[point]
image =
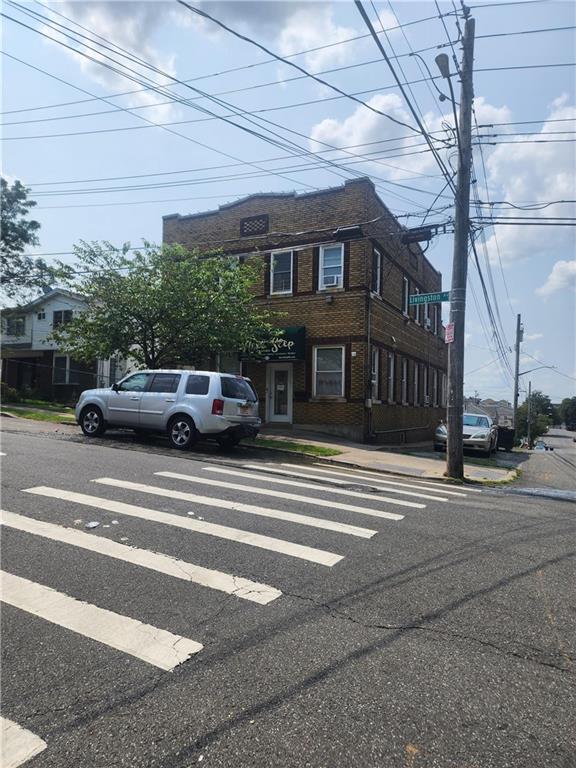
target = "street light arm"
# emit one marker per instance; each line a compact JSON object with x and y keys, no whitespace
{"x":536,"y":369}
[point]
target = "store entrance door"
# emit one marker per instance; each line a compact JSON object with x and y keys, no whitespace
{"x":279,"y":393}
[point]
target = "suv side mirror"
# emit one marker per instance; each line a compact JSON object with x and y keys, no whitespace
{"x":115,"y":386}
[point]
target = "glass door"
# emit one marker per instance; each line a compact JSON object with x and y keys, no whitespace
{"x":280,"y":392}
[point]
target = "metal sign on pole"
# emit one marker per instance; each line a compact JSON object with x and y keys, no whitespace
{"x":449,"y":333}
{"x":428,"y":298}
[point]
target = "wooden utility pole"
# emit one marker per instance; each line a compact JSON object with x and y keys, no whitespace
{"x":519,"y":337}
{"x":454,"y":451}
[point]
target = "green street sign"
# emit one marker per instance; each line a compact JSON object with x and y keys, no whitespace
{"x":429,"y":298}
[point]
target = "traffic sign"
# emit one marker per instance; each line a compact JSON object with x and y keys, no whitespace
{"x":428,"y":298}
{"x":449,"y":333}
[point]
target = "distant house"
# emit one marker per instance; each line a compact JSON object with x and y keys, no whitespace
{"x":33,"y":363}
{"x":500,"y":411}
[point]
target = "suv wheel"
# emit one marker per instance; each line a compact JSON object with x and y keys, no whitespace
{"x":182,"y":433}
{"x":92,"y":421}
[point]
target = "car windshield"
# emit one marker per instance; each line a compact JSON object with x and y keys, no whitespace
{"x":470,"y":420}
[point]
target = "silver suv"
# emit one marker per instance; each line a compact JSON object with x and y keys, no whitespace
{"x":186,"y":405}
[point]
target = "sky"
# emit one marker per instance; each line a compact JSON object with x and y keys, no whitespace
{"x":117,"y":113}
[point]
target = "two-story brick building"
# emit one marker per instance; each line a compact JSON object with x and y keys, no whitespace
{"x":354,"y":358}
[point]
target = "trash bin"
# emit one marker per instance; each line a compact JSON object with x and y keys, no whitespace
{"x":505,"y":438}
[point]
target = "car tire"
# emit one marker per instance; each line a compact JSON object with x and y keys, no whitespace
{"x":182,"y":433}
{"x":227,"y":442}
{"x":92,"y":421}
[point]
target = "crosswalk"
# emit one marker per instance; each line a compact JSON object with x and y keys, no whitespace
{"x":320,"y":511}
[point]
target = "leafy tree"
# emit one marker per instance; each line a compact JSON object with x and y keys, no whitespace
{"x":162,"y":306}
{"x":567,"y":410}
{"x":19,"y":274}
{"x":542,"y":415}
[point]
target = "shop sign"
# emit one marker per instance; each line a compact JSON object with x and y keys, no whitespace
{"x":289,"y":344}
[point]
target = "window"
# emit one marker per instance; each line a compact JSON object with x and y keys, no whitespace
{"x":425,"y":384}
{"x":435,"y":315}
{"x":329,"y":371}
{"x":237,"y":388}
{"x":374,"y":379}
{"x":66,"y":370}
{"x":404,"y":381}
{"x":135,"y":383}
{"x":60,"y":370}
{"x":281,"y":272}
{"x":435,"y":387}
{"x":391,"y":376}
{"x":418,"y":308}
{"x":15,"y":326}
{"x":444,"y":392}
{"x":376,"y":271}
{"x":427,"y":319}
{"x":61,"y":317}
{"x":165,"y":382}
{"x":405,"y":294}
{"x":197,"y":385}
{"x":475,"y":421}
{"x":416,"y":384}
{"x":41,"y":315}
{"x":331,"y":268}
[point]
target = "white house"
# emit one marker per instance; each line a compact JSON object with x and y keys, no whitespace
{"x":30,"y":361}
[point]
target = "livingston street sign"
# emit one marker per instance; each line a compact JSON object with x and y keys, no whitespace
{"x":429,"y":298}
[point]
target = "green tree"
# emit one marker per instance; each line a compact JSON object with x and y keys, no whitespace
{"x":567,"y":410}
{"x":19,"y":274}
{"x":162,"y":306}
{"x":541,"y":415}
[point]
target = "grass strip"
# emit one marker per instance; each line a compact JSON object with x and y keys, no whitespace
{"x":286,"y":445}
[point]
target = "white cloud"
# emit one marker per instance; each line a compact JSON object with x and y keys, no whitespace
{"x":563,"y":276}
{"x":132,"y":26}
{"x":533,"y":336}
{"x":522,"y":173}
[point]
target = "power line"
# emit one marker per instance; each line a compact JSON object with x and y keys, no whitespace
{"x":284,"y":60}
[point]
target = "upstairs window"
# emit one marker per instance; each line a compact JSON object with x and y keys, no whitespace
{"x":331,"y":267}
{"x":404,"y":381}
{"x":376,"y":271}
{"x":15,"y":326}
{"x":405,"y":294}
{"x":61,"y":317}
{"x":281,"y":272}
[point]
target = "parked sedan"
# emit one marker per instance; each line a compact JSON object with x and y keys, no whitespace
{"x":479,"y":433}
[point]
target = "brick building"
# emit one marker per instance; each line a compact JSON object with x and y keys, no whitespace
{"x":354,"y":359}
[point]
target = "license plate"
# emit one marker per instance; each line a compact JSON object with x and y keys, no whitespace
{"x":246,"y":409}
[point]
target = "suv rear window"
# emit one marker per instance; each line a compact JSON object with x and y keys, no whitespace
{"x":237,"y":388}
{"x":197,"y":385}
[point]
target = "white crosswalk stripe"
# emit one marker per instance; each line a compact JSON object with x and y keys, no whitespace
{"x":327,"y":478}
{"x":170,"y":566}
{"x":444,"y":488}
{"x":288,"y":548}
{"x":17,"y":744}
{"x":313,"y":501}
{"x":150,"y":644}
{"x":277,"y":514}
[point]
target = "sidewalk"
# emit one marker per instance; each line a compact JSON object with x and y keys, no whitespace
{"x":417,"y":460}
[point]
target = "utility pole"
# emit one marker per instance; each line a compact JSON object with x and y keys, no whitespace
{"x":519,"y":338}
{"x":529,"y":414}
{"x":454,"y":450}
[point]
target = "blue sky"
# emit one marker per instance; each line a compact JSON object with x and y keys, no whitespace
{"x":198,"y":157}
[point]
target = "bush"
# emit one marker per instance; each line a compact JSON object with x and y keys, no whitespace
{"x":9,"y":394}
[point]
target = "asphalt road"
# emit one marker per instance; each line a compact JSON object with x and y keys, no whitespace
{"x":444,"y":638}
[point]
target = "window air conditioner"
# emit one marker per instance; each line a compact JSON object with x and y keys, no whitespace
{"x":331,"y":281}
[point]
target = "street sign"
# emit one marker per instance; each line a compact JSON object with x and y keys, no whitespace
{"x":449,"y":333}
{"x":428,"y":298}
